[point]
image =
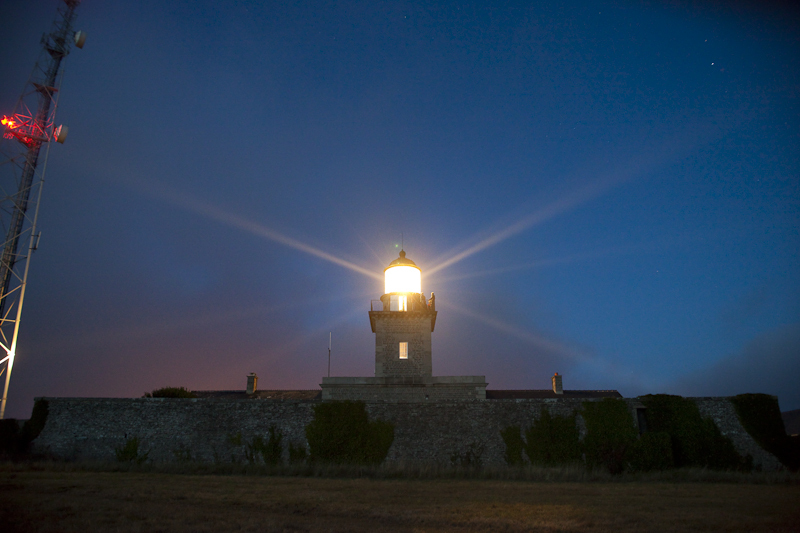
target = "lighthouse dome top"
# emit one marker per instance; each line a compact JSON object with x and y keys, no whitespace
{"x":403,"y":275}
{"x":402,"y":261}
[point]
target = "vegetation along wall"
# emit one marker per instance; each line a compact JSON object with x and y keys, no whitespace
{"x":464,"y":432}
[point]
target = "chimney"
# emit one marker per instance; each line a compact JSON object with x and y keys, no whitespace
{"x":252,"y":382}
{"x":557,"y":384}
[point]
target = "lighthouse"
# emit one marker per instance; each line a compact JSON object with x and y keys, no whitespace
{"x":403,"y":320}
{"x":403,"y":323}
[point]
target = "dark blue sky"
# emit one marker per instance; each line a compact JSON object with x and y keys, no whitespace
{"x":608,"y":190}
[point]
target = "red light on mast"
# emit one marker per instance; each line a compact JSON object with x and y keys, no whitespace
{"x":23,"y":128}
{"x":10,"y":123}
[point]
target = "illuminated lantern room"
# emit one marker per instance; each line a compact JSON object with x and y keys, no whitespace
{"x":402,"y":276}
{"x":403,"y":286}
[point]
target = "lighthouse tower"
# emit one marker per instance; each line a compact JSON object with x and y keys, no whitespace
{"x":403,"y":321}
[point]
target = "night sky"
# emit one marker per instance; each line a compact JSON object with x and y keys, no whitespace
{"x":607,"y":190}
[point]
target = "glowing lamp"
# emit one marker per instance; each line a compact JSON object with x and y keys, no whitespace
{"x":9,"y":122}
{"x":402,"y":275}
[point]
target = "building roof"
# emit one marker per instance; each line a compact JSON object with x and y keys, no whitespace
{"x":547,"y":393}
{"x":402,"y":261}
{"x":314,"y":394}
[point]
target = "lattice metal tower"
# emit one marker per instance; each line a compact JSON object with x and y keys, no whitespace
{"x":30,"y":125}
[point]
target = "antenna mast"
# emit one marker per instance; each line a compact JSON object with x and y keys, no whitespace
{"x":31,"y":124}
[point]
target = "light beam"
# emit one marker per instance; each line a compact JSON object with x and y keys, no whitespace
{"x":503,"y":270}
{"x":645,"y":162}
{"x":531,"y":338}
{"x":581,"y":196}
{"x":190,"y":203}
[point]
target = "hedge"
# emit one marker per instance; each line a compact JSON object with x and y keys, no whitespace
{"x":553,"y":440}
{"x":342,"y":433}
{"x":610,"y":434}
{"x":696,"y":441}
{"x":653,"y":451}
{"x":515,"y":445}
{"x":760,"y":415}
{"x":15,"y":441}
{"x":270,"y":450}
{"x":170,"y":392}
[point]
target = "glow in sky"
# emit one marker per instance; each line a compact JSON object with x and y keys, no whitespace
{"x":607,"y":191}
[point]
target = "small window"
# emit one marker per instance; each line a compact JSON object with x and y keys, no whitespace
{"x":403,"y":350}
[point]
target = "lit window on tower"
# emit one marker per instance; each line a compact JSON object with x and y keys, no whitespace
{"x":403,"y":350}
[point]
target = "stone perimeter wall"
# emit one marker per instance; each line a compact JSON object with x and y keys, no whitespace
{"x":400,"y":394}
{"x":91,"y":428}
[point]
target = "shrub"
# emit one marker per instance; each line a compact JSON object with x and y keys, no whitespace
{"x":653,"y":451}
{"x":720,"y":452}
{"x":341,"y":433}
{"x":170,"y":392}
{"x":553,"y":440}
{"x":10,"y":438}
{"x":512,"y":437}
{"x":254,"y":448}
{"x":471,"y":458}
{"x":273,"y":452}
{"x":15,"y":440}
{"x":270,"y":451}
{"x":129,"y":452}
{"x":760,"y":415}
{"x":610,"y":433}
{"x":33,"y":427}
{"x":183,"y":454}
{"x":297,"y":454}
{"x":695,"y":441}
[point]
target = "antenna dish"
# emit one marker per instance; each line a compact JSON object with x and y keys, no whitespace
{"x":80,"y":38}
{"x":61,"y":133}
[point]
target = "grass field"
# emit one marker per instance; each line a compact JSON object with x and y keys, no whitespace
{"x":63,"y":500}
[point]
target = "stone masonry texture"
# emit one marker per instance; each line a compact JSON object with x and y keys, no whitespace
{"x":393,"y":328}
{"x":208,"y":429}
{"x":406,"y":394}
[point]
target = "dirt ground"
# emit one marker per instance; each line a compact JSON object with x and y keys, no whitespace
{"x":132,"y":502}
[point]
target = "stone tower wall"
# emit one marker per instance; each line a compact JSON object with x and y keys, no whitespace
{"x":394,"y":327}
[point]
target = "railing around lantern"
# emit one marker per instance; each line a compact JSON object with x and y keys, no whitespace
{"x":412,"y":302}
